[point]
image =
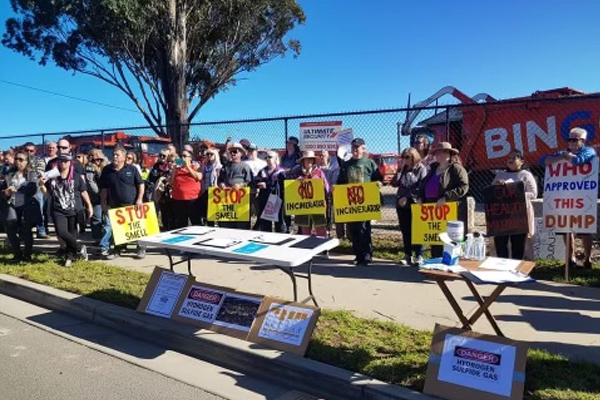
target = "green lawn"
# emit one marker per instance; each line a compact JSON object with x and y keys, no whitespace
{"x":384,"y":350}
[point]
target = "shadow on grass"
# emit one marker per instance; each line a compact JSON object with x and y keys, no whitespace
{"x":555,"y":271}
{"x":116,"y":297}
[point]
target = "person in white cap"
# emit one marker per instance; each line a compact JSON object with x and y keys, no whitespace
{"x":236,"y":174}
{"x":577,"y":154}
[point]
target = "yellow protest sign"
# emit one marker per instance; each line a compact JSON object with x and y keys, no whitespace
{"x":228,"y":204}
{"x":129,"y":224}
{"x":304,"y":197}
{"x":357,"y":202}
{"x":429,"y":220}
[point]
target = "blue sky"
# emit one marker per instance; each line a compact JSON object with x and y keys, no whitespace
{"x":356,"y":55}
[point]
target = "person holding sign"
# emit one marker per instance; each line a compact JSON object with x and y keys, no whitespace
{"x":447,"y":180}
{"x":185,"y":183}
{"x":269,"y":182}
{"x":576,"y":154}
{"x":306,"y":223}
{"x":235,"y":174}
{"x":407,"y":180}
{"x":516,"y":172}
{"x":68,"y":191}
{"x":210,"y":176}
{"x":122,"y":186}
{"x":360,"y":169}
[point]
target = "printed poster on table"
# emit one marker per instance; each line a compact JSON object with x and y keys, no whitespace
{"x":319,"y":135}
{"x":356,"y":202}
{"x":228,"y":204}
{"x":570,"y":197}
{"x":304,"y":197}
{"x":506,"y":209}
{"x":284,"y":325}
{"x":467,"y":365}
{"x":163,"y":292}
{"x":129,"y":224}
{"x":429,"y":220}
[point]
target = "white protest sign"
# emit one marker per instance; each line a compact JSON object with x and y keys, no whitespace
{"x":166,"y":294}
{"x":546,"y":244}
{"x":285,"y":323}
{"x":570,"y":197}
{"x":319,"y":135}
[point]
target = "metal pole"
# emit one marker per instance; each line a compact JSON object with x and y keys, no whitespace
{"x":102,"y":139}
{"x":285,"y":120}
{"x":568,"y":243}
{"x":447,"y":124}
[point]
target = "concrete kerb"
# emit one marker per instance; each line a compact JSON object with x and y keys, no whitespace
{"x":286,"y":369}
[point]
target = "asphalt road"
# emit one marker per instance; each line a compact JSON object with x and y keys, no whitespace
{"x":48,"y":355}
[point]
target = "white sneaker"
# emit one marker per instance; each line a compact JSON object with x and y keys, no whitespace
{"x":83,"y":254}
{"x":420,"y":261}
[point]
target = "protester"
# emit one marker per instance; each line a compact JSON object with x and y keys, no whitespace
{"x":235,"y":174}
{"x":270,"y":180}
{"x":39,"y":165}
{"x":310,"y":170}
{"x":516,"y":172}
{"x":158,"y":178}
{"x":407,"y":180}
{"x":93,"y":171}
{"x":185,"y":180}
{"x":331,"y":169}
{"x":423,"y":146}
{"x":121,"y":185}
{"x":289,"y":163}
{"x":51,"y":151}
{"x":255,"y":163}
{"x":9,"y":162}
{"x":22,"y":210}
{"x":132,"y":159}
{"x":69,"y":194}
{"x":210,"y":177}
{"x":360,"y":169}
{"x":577,"y":154}
{"x":447,"y":180}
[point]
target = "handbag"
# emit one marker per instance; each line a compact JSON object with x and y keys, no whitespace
{"x":272,"y":208}
{"x":11,"y":214}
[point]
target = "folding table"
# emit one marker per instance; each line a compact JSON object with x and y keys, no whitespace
{"x":283,"y":251}
{"x":441,"y":277}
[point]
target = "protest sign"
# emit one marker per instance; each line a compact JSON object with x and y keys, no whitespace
{"x":284,"y":325}
{"x":163,"y":292}
{"x":570,"y":197}
{"x":356,"y":202}
{"x":468,"y":365}
{"x":429,"y":220}
{"x":304,"y":197}
{"x":547,"y":245}
{"x":319,"y":135}
{"x":129,"y":224}
{"x":506,"y":209}
{"x":228,"y":204}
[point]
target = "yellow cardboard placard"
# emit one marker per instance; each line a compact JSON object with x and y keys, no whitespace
{"x":129,"y":225}
{"x":356,"y":202}
{"x":304,"y":197}
{"x":228,"y":204}
{"x":429,"y":220}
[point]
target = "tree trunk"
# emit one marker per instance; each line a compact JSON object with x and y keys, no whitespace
{"x":174,"y":84}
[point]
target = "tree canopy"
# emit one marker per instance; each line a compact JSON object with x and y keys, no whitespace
{"x":168,"y":56}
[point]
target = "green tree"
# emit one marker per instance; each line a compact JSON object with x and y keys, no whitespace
{"x":168,"y":56}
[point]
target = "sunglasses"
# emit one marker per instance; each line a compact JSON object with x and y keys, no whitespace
{"x":234,"y":151}
{"x":130,"y":158}
{"x":20,"y":159}
{"x":186,"y":155}
{"x":571,"y":140}
{"x":63,"y":147}
{"x":30,"y":150}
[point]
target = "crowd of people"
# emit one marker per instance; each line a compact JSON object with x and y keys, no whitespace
{"x":74,"y":191}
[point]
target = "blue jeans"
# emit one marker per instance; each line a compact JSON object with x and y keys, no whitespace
{"x":41,"y":228}
{"x":106,"y":238}
{"x":97,"y":223}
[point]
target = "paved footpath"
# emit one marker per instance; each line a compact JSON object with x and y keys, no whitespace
{"x":558,"y":317}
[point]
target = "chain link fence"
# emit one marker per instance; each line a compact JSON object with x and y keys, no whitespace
{"x":485,"y":133}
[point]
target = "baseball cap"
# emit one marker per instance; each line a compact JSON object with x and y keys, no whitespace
{"x":64,"y":157}
{"x":245,"y":143}
{"x":357,"y":142}
{"x":252,"y":146}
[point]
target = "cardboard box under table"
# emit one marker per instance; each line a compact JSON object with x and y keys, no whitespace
{"x":441,"y":277}
{"x":283,"y":251}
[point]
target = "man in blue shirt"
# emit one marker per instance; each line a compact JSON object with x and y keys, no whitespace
{"x":577,"y":153}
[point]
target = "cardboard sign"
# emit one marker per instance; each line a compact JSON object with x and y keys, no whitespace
{"x":218,"y":309}
{"x":129,"y":224}
{"x":429,"y":220}
{"x":319,"y":135}
{"x":163,"y":293}
{"x":304,"y":197}
{"x":468,"y":365}
{"x":356,"y":202}
{"x":506,"y":209}
{"x":547,"y":245}
{"x":228,"y":204}
{"x":570,"y":196}
{"x":284,"y":325}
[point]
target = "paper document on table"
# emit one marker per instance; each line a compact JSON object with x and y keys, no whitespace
{"x":500,"y":264}
{"x":443,"y":267}
{"x":272,"y":238}
{"x":500,"y":276}
{"x":221,"y":243}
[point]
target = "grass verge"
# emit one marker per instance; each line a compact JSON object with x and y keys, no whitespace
{"x":384,"y":350}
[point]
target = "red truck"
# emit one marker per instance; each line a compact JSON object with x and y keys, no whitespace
{"x":486,"y":130}
{"x":387,"y":163}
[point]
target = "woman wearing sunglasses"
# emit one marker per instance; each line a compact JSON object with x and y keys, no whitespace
{"x":93,"y":171}
{"x":23,"y":210}
{"x":185,"y":181}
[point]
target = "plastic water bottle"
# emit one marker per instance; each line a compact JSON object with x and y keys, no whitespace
{"x":469,"y":247}
{"x":480,"y":247}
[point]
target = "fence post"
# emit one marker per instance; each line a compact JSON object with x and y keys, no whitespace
{"x":285,"y":120}
{"x":447,"y":124}
{"x":398,"y":134}
{"x":102,"y":139}
{"x":44,"y":143}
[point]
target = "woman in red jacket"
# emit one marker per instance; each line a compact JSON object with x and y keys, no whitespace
{"x":185,"y":183}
